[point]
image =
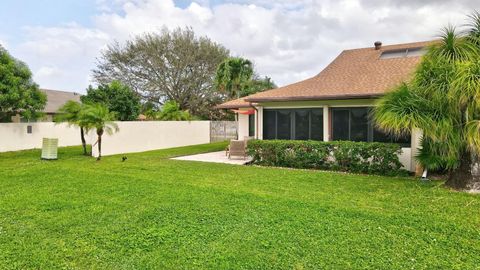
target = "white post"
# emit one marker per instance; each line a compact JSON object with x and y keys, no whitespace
{"x":259,"y":118}
{"x":326,"y":124}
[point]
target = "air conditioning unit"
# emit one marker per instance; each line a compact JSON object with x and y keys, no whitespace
{"x":49,"y":148}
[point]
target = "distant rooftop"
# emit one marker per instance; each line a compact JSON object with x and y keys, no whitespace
{"x":56,"y":99}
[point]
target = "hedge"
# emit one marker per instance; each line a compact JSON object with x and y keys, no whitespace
{"x":355,"y":157}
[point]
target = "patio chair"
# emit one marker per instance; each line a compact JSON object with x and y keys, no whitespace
{"x":237,"y":148}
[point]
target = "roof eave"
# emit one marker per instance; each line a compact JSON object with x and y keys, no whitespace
{"x":232,"y":106}
{"x":311,"y":98}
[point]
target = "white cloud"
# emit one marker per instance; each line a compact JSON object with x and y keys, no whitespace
{"x":288,"y":40}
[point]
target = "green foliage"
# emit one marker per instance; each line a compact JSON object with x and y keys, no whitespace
{"x":171,"y":112}
{"x":356,"y":157}
{"x":151,"y":212}
{"x":233,"y":75}
{"x":71,"y":113}
{"x":118,"y":98}
{"x":18,"y":93}
{"x":170,"y":65}
{"x":442,"y":99}
{"x":97,"y":116}
{"x":258,"y":85}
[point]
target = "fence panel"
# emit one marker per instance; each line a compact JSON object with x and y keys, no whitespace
{"x":223,"y":131}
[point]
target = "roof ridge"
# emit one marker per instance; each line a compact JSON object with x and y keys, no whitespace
{"x":52,"y":90}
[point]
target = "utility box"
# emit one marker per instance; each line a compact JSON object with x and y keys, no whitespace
{"x":50,"y":148}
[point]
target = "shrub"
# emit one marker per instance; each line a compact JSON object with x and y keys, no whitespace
{"x":355,"y":157}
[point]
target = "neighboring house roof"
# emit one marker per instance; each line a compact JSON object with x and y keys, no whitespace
{"x":56,"y":99}
{"x":357,"y":73}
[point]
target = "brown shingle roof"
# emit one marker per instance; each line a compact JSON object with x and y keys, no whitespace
{"x":56,"y":99}
{"x":234,"y":104}
{"x":357,"y":73}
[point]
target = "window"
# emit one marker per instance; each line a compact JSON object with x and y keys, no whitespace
{"x":251,"y":125}
{"x":411,"y":52}
{"x":354,"y":124}
{"x":295,"y":124}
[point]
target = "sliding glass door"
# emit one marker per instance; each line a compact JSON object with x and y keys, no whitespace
{"x":293,"y":124}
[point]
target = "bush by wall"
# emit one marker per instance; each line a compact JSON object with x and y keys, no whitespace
{"x":355,"y":157}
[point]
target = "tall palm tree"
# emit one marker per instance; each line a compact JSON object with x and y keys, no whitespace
{"x":99,"y":117}
{"x":443,"y":99}
{"x":233,"y":75}
{"x":70,"y":113}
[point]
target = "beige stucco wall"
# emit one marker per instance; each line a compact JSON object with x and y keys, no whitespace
{"x":151,"y":135}
{"x":14,"y":136}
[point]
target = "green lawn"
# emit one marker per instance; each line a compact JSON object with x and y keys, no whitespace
{"x":152,"y":212}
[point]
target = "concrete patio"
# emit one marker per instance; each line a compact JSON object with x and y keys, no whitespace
{"x":216,"y":157}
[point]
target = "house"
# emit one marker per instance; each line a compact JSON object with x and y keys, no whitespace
{"x":335,"y":104}
{"x":55,"y":100}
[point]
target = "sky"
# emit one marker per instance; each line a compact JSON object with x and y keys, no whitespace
{"x":288,"y":40}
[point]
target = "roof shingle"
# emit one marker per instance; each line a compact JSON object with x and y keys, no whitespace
{"x":357,"y":73}
{"x":56,"y":99}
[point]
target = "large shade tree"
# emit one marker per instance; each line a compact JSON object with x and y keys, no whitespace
{"x":443,"y":100}
{"x":18,"y":93}
{"x":171,"y":65}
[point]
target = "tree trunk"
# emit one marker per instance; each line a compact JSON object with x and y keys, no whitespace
{"x":99,"y":147}
{"x":467,"y":175}
{"x":99,"y":141}
{"x":84,"y":143}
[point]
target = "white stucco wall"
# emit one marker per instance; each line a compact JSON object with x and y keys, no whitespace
{"x":242,"y":126}
{"x":14,"y":136}
{"x":152,"y":135}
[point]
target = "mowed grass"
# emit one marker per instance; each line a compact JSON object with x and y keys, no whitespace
{"x":151,"y":212}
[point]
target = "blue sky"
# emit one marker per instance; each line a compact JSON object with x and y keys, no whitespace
{"x":288,"y":40}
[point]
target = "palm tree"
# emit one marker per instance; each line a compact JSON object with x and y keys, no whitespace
{"x":70,"y":113}
{"x":233,"y":75}
{"x":99,"y":117}
{"x":443,"y":100}
{"x":171,"y":112}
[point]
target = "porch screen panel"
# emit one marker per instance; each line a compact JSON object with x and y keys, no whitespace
{"x":354,"y":124}
{"x":359,"y":124}
{"x":251,"y":125}
{"x":316,"y":124}
{"x":284,"y":125}
{"x":269,"y":124}
{"x":380,"y":136}
{"x":293,"y":124}
{"x":302,"y":124}
{"x":341,"y":124}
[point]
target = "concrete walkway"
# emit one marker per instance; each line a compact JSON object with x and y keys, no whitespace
{"x":216,"y":157}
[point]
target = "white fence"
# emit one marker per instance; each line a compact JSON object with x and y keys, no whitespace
{"x":21,"y":136}
{"x":132,"y":136}
{"x":151,"y":135}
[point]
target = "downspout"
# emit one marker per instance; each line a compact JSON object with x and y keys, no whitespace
{"x":256,"y":119}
